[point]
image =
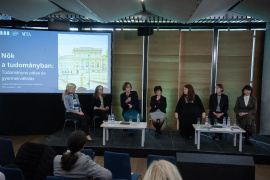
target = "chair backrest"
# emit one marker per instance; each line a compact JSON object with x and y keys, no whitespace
{"x":35,"y":160}
{"x":59,"y":178}
{"x":140,"y":104}
{"x":151,"y":158}
{"x":89,"y":152}
{"x":7,"y":155}
{"x":12,"y":173}
{"x":118,"y":164}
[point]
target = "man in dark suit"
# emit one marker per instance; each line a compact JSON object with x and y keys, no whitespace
{"x":218,"y":107}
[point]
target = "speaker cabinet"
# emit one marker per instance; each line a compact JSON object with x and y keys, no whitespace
{"x":145,"y":31}
{"x":194,"y":166}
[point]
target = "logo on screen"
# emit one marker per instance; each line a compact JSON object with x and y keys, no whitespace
{"x":26,"y":34}
{"x":14,"y":33}
{"x":4,"y":33}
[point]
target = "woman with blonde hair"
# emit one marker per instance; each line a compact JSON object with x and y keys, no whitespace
{"x":73,"y":108}
{"x":162,"y":170}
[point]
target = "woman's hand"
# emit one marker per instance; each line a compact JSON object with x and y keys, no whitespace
{"x":80,"y":113}
{"x":103,"y":109}
{"x":130,"y":106}
{"x":242,"y":114}
{"x":176,"y":115}
{"x":128,"y":100}
{"x":203,"y":115}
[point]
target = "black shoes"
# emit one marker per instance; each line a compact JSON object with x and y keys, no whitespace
{"x":220,"y":137}
{"x":157,"y":133}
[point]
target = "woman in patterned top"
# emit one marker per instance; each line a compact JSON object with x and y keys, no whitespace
{"x":73,"y":108}
{"x":245,"y":109}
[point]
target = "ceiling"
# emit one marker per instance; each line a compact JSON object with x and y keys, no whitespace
{"x":105,"y":11}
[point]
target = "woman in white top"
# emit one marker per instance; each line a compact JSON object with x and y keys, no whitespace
{"x":245,"y":109}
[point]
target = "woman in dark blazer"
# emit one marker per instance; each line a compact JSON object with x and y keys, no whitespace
{"x":218,"y":107}
{"x":245,"y":109}
{"x":158,"y":109}
{"x":100,"y":104}
{"x":189,"y":108}
{"x":129,"y":103}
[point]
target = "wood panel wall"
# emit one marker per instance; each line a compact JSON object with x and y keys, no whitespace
{"x":196,"y":62}
{"x":234,"y":64}
{"x":179,"y":58}
{"x":126,"y":66}
{"x":163,"y":70}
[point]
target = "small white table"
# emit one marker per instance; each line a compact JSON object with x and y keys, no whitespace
{"x":203,"y":128}
{"x":133,"y":125}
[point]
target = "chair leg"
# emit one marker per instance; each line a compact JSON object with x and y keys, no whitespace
{"x":166,"y":127}
{"x":95,"y":126}
{"x":63,"y":128}
{"x":255,"y":130}
{"x":149,"y":124}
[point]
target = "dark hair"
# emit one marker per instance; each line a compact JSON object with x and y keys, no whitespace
{"x":221,"y":87}
{"x":96,"y":91}
{"x":191,"y":92}
{"x":125,"y":85}
{"x":76,"y":141}
{"x":247,"y":87}
{"x":157,"y":88}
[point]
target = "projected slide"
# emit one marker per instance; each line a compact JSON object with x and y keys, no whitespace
{"x":46,"y":61}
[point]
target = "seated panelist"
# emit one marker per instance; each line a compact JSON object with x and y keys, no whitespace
{"x":73,"y":108}
{"x":100,"y":104}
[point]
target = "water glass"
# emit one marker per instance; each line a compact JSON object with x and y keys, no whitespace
{"x":235,"y":123}
{"x":130,"y":119}
{"x":198,"y":121}
{"x":209,"y":121}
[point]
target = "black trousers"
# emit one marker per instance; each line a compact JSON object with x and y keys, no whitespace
{"x":84,"y":119}
{"x":185,"y":123}
{"x":102,"y":115}
{"x":219,"y":120}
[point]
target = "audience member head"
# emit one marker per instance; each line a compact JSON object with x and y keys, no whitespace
{"x":98,"y":91}
{"x":219,"y":88}
{"x":76,"y":142}
{"x":127,"y":87}
{"x":162,"y":170}
{"x":158,"y":90}
{"x":70,"y":88}
{"x":189,"y":92}
{"x":247,"y":90}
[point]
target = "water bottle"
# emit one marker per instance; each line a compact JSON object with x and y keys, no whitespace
{"x":138,"y":118}
{"x":109,"y":119}
{"x":206,"y":120}
{"x":112,"y":118}
{"x":228,"y":122}
{"x":224,"y":122}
